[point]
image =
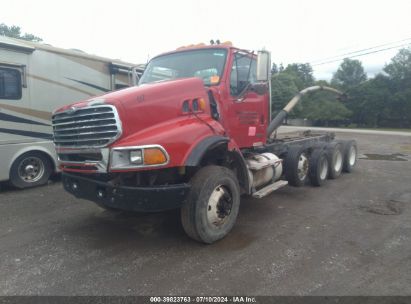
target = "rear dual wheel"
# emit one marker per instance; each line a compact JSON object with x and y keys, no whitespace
{"x":299,"y":166}
{"x":326,"y":161}
{"x":350,"y":155}
{"x":319,"y":167}
{"x":296,"y":165}
{"x":335,"y":157}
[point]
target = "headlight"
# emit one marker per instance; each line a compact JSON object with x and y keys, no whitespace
{"x":135,"y":157}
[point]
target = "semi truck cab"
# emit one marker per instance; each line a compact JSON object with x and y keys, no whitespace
{"x":195,"y":134}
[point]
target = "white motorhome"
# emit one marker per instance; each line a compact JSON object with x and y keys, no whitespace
{"x":35,"y":79}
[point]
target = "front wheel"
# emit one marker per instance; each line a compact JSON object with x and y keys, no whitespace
{"x":211,"y":209}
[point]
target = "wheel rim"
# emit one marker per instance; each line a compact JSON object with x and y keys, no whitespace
{"x":352,"y":156}
{"x":323,"y":169}
{"x":338,"y":161}
{"x":31,"y":169}
{"x":302,"y":167}
{"x":219,"y":206}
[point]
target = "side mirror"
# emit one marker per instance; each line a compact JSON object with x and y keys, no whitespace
{"x":263,"y":66}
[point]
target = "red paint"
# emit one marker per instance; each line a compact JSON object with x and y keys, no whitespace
{"x":152,"y":114}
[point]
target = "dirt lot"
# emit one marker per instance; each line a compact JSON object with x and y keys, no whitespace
{"x":350,"y":237}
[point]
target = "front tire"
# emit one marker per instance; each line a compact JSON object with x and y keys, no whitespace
{"x":212,"y":206}
{"x":30,"y":169}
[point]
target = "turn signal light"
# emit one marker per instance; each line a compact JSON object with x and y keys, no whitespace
{"x":214,"y":79}
{"x":154,"y":156}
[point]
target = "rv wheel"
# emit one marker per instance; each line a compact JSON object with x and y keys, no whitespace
{"x":30,"y":169}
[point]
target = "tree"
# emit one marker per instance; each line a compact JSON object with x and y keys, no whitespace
{"x":274,"y":69}
{"x":283,"y":88}
{"x":349,"y":75}
{"x":385,"y":100}
{"x":370,"y":101}
{"x":302,"y":73}
{"x":399,"y":75}
{"x":382,"y":101}
{"x":14,"y":31}
{"x":399,"y":69}
{"x":323,"y":108}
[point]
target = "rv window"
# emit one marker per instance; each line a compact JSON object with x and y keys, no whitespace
{"x":10,"y":83}
{"x":120,"y":86}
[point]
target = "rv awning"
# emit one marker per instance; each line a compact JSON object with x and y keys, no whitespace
{"x":16,"y":46}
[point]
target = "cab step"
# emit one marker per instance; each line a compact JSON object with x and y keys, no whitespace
{"x":269,"y":188}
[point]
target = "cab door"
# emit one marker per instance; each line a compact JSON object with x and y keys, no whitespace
{"x":248,"y":111}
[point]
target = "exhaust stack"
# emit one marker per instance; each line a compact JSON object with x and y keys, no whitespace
{"x":278,"y":120}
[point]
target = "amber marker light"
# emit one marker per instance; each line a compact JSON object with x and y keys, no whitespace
{"x":202,"y":104}
{"x":154,"y":156}
{"x":214,"y":79}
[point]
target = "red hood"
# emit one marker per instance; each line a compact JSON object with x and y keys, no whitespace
{"x":150,"y":104}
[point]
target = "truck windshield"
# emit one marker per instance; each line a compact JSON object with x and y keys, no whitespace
{"x":206,"y":64}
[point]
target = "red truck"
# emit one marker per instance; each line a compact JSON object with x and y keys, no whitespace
{"x":195,"y":134}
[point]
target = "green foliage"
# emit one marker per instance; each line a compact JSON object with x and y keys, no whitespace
{"x":283,"y":88}
{"x":274,"y":69}
{"x":368,"y":101}
{"x":14,"y":31}
{"x":382,"y":101}
{"x":321,"y":107}
{"x":385,"y":100}
{"x":399,"y":69}
{"x":398,"y":84}
{"x":349,"y":75}
{"x":302,"y":74}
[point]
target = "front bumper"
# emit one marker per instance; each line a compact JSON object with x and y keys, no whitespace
{"x":140,"y":199}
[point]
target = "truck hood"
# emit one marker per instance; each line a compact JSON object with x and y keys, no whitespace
{"x":151,"y":104}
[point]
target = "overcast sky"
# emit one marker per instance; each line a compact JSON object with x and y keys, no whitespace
{"x":294,"y":31}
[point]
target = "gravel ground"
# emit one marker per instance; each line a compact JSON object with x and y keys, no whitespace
{"x":350,"y":237}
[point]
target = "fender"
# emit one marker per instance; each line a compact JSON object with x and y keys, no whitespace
{"x":242,"y":172}
{"x":194,"y":158}
{"x":178,"y":137}
{"x":209,"y":143}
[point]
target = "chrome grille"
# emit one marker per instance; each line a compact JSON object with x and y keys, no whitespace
{"x":94,"y":126}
